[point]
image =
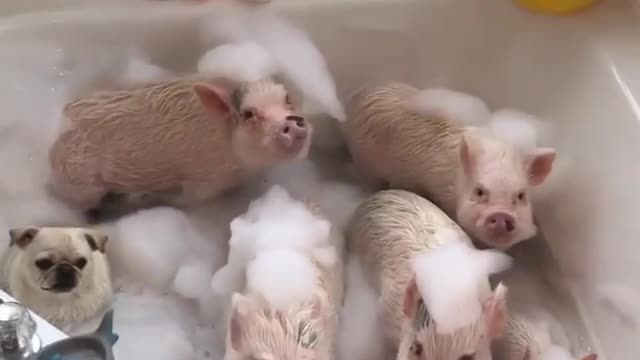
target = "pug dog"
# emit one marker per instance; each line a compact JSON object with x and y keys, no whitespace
{"x":60,"y":273}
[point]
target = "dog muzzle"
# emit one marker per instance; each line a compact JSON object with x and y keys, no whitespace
{"x":62,"y":278}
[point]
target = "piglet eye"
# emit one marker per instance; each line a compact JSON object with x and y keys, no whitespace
{"x":81,"y":263}
{"x":467,"y":357}
{"x":247,"y":114}
{"x":521,"y":196}
{"x":416,"y":348}
{"x":44,"y":264}
{"x":287,"y":99}
{"x":480,"y":192}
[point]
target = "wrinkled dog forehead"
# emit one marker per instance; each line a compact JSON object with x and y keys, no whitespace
{"x":59,"y":240}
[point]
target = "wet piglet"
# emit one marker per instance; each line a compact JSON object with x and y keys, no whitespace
{"x":435,"y":299}
{"x":417,"y":140}
{"x":178,"y":142}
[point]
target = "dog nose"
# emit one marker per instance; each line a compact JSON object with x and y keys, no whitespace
{"x":500,"y":222}
{"x":65,"y":278}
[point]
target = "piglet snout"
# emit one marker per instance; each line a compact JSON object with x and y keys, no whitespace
{"x":298,"y":120}
{"x":294,"y":132}
{"x":500,"y":223}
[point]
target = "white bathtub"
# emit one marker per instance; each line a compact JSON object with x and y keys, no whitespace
{"x":578,"y":72}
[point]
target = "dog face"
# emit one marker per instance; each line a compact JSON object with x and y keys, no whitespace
{"x":57,"y":259}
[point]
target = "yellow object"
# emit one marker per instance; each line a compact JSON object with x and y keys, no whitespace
{"x":555,"y":7}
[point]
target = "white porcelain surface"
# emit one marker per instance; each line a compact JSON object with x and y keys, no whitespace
{"x":579,"y":72}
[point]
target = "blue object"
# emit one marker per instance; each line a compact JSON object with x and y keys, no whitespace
{"x":95,"y":346}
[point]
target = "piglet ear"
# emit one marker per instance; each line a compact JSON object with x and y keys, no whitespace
{"x":319,"y":310}
{"x":317,"y":307}
{"x":212,"y":98}
{"x":496,"y":310}
{"x":539,"y":163}
{"x":466,"y":152}
{"x":238,"y":321}
{"x":411,"y":299}
{"x":591,"y":357}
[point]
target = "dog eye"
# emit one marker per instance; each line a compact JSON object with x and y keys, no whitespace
{"x":80,"y":263}
{"x":44,"y":264}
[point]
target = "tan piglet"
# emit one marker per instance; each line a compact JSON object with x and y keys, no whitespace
{"x":262,"y":328}
{"x":417,"y":140}
{"x":389,"y":231}
{"x":180,"y":142}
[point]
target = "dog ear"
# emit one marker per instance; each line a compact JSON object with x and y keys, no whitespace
{"x":96,"y":240}
{"x":22,"y":236}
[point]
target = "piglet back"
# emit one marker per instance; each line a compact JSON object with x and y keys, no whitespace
{"x":143,"y":138}
{"x":390,"y":139}
{"x":390,"y":227}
